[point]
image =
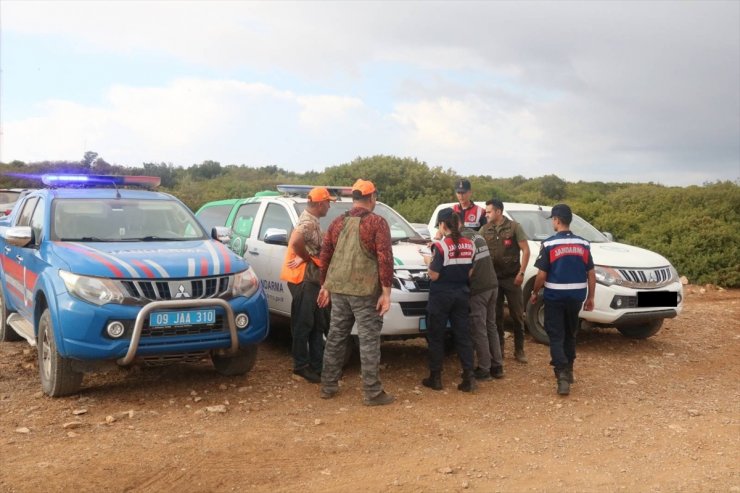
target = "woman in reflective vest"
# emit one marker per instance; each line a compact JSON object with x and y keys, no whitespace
{"x":450,"y":265}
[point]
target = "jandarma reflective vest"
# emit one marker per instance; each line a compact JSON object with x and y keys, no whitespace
{"x":471,"y":216}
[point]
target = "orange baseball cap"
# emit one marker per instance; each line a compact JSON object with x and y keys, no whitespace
{"x":365,"y":187}
{"x":319,"y":194}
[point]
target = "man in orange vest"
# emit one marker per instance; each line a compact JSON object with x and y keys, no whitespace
{"x":308,"y":321}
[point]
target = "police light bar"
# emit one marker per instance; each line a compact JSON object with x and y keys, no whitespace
{"x":81,"y":180}
{"x":302,"y":190}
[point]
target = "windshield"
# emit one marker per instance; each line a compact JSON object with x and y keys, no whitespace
{"x":116,"y":220}
{"x":537,"y":227}
{"x":400,"y":229}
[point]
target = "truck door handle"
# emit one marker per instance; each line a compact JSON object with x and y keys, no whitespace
{"x":7,"y":249}
{"x":254,"y":251}
{"x":19,"y":258}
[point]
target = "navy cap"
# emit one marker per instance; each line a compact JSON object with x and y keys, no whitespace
{"x":561,"y":211}
{"x":462,"y":186}
{"x":444,"y":214}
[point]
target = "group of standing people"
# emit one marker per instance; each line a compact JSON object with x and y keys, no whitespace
{"x":477,"y":285}
{"x":476,"y":260}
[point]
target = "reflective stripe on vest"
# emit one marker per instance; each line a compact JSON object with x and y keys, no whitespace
{"x":555,"y":285}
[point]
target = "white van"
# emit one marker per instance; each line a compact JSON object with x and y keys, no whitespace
{"x":632,"y":284}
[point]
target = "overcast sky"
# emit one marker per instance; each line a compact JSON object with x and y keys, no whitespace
{"x":609,"y":91}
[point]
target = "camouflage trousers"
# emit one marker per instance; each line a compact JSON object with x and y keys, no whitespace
{"x":345,"y":311}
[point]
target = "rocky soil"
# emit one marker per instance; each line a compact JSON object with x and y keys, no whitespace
{"x":657,"y":415}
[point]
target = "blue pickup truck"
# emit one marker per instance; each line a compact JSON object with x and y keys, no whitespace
{"x":94,"y":274}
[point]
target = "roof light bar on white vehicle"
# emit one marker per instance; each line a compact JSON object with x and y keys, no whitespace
{"x":62,"y":180}
{"x":302,"y":190}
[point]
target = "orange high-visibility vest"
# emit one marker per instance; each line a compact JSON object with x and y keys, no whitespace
{"x":294,"y":275}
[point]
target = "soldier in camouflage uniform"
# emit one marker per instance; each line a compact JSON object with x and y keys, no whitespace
{"x":356,"y":273}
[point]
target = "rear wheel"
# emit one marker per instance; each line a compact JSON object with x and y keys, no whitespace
{"x":58,"y":377}
{"x":641,"y":331}
{"x":238,"y":364}
{"x":7,"y":334}
{"x":536,"y":320}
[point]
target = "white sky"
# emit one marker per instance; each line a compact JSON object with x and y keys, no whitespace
{"x":610,"y":91}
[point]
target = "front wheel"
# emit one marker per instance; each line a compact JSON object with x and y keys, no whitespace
{"x":536,"y":320}
{"x":58,"y":377}
{"x":641,"y":331}
{"x":238,"y":364}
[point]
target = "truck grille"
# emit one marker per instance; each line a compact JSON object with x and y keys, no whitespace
{"x":646,"y":278}
{"x":411,"y":280}
{"x":414,"y":308}
{"x":206,"y":287}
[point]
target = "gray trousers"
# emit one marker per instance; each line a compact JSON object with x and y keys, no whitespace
{"x":483,"y":329}
{"x":345,"y":311}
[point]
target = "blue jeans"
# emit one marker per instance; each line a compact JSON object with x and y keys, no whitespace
{"x":308,"y":324}
{"x":561,"y":325}
{"x":455,"y":307}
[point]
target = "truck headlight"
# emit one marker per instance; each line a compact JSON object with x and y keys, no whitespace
{"x":606,"y":275}
{"x":96,"y":290}
{"x":245,"y":283}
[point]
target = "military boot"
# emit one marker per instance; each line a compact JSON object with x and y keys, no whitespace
{"x":563,"y":382}
{"x":569,"y":374}
{"x":468,"y":383}
{"x":433,"y":381}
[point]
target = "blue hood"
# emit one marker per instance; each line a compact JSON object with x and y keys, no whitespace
{"x":149,"y":260}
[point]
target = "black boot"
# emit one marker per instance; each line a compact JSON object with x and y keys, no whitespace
{"x":468,"y":383}
{"x":569,"y":374}
{"x":433,"y":381}
{"x":563,"y":382}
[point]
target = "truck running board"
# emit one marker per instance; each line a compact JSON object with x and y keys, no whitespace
{"x":22,"y":327}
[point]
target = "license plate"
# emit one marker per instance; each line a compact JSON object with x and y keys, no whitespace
{"x":422,"y":324}
{"x":654,"y":299}
{"x":182,"y":318}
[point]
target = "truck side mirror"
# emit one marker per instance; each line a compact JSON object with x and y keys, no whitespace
{"x":275,"y":236}
{"x":19,"y":236}
{"x":221,"y":233}
{"x":608,"y":235}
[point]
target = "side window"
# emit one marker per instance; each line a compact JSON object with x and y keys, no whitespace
{"x":245,"y":219}
{"x":24,"y":219}
{"x":276,"y":217}
{"x":37,"y":222}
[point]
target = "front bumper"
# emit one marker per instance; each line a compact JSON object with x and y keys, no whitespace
{"x":604,"y":312}
{"x":404,"y":317}
{"x":82,"y":325}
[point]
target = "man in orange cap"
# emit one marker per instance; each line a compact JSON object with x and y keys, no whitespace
{"x":308,"y":321}
{"x":356,"y":272}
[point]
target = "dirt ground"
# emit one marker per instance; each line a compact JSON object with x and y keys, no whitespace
{"x":661,"y":414}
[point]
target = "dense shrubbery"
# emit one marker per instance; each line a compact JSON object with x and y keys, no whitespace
{"x":696,"y":228}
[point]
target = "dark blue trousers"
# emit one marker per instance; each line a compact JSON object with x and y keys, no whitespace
{"x":561,"y":325}
{"x":308,"y":324}
{"x":455,"y":307}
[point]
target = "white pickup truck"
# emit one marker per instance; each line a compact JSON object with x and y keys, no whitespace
{"x":262,"y":224}
{"x":632,"y":284}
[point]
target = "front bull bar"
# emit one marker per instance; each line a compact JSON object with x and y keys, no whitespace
{"x":177,"y":304}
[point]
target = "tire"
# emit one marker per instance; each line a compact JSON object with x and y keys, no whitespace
{"x":7,"y":334}
{"x":239,"y":364}
{"x":58,"y":378}
{"x":641,"y":331}
{"x":536,"y":321}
